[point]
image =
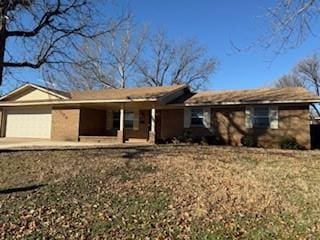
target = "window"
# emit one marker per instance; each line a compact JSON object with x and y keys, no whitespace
{"x":116,"y":120}
{"x":128,"y":120}
{"x":261,"y":117}
{"x":197,"y":117}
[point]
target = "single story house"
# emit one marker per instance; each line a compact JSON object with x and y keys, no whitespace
{"x":156,"y":114}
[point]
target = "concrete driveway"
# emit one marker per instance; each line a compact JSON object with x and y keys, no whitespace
{"x":42,"y":144}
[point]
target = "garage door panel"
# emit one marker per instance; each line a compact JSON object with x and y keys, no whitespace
{"x":29,"y":123}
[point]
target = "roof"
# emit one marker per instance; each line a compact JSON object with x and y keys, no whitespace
{"x":176,"y":95}
{"x":161,"y":94}
{"x":147,"y":93}
{"x":55,"y":92}
{"x":59,"y":92}
{"x":253,"y":96}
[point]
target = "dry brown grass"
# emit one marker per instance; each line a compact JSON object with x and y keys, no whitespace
{"x":161,"y":192}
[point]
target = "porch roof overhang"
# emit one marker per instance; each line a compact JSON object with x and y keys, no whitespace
{"x":148,"y":95}
{"x":73,"y":102}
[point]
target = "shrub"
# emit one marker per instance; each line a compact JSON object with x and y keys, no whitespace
{"x":212,"y":140}
{"x":249,"y":141}
{"x":289,"y":143}
{"x":203,"y":140}
{"x":185,"y":138}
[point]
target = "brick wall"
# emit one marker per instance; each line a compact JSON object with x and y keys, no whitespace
{"x":92,"y":122}
{"x":229,"y":124}
{"x":143,"y":131}
{"x":294,"y":121}
{"x":65,"y":124}
{"x":171,"y":123}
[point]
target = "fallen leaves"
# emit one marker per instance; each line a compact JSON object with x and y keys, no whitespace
{"x":161,"y":192}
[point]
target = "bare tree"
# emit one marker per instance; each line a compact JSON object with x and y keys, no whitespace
{"x":166,"y":62}
{"x":292,"y":21}
{"x":107,"y":61}
{"x":305,"y":74}
{"x":308,"y":70}
{"x":46,"y":32}
{"x":86,"y":73}
{"x":123,"y":49}
{"x":289,"y":80}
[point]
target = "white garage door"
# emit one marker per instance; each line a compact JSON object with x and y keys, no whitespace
{"x":28,"y":123}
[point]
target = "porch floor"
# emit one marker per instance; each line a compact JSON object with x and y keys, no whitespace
{"x":99,"y":139}
{"x":111,"y":139}
{"x":14,"y":144}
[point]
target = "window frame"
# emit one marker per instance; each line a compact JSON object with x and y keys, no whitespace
{"x":260,"y":116}
{"x":192,"y":117}
{"x":126,"y":120}
{"x":116,"y":119}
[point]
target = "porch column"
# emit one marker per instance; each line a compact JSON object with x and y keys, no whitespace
{"x":120,"y":133}
{"x":1,"y":122}
{"x":152,"y":133}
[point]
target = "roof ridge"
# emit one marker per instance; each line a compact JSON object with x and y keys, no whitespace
{"x":251,"y":89}
{"x":128,"y":88}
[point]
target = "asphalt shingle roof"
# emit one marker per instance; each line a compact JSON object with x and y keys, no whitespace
{"x":126,"y":93}
{"x":249,"y":96}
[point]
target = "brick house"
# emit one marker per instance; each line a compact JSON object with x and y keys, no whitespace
{"x":153,"y":114}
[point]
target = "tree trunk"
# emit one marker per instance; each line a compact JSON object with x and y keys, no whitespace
{"x":2,"y":41}
{"x":2,"y":51}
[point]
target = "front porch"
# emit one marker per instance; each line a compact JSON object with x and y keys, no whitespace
{"x":117,"y":124}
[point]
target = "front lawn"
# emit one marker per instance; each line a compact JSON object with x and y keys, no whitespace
{"x":160,"y":192}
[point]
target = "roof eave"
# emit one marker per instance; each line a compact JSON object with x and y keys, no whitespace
{"x":248,"y":103}
{"x":70,"y":102}
{"x":34,"y":86}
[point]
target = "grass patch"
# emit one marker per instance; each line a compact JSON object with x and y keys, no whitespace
{"x":164,"y":192}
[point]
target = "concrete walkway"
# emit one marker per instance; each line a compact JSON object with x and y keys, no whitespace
{"x":46,"y":144}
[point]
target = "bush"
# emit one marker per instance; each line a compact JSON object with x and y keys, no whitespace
{"x":289,"y":143}
{"x":203,"y":140}
{"x":249,"y":141}
{"x":185,"y":138}
{"x":212,"y":140}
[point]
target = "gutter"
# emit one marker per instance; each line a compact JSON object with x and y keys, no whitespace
{"x":70,"y":102}
{"x":244,"y":103}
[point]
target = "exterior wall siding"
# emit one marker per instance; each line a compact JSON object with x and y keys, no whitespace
{"x":228,"y":123}
{"x":294,"y":121}
{"x":171,"y":124}
{"x":92,"y":122}
{"x":143,"y":131}
{"x":65,"y":124}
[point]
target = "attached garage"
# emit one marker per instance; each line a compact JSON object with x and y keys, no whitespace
{"x":26,"y":112}
{"x":28,"y":123}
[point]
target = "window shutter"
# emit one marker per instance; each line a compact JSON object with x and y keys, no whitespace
{"x":136,"y":120}
{"x":274,"y":117}
{"x":249,"y":117}
{"x":187,"y":117}
{"x":207,"y":117}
